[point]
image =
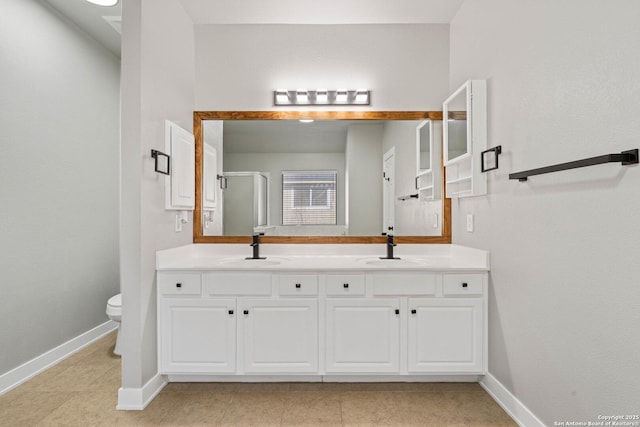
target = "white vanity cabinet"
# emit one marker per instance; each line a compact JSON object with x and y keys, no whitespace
{"x":279,"y":336}
{"x":233,"y":322}
{"x":407,"y":322}
{"x":322,"y":323}
{"x":362,"y":335}
{"x":448,"y":334}
{"x":198,"y":336}
{"x":445,"y":335}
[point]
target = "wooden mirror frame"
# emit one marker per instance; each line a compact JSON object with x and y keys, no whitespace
{"x":199,"y":116}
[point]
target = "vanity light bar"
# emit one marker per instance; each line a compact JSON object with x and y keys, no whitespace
{"x":301,"y":97}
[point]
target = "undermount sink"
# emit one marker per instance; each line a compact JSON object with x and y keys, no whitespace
{"x":397,"y":261}
{"x":250,"y":262}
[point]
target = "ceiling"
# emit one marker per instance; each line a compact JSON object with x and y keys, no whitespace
{"x":321,"y":11}
{"x":90,"y":19}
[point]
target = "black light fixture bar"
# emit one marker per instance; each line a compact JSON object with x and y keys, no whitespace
{"x":304,"y":97}
{"x":628,"y":157}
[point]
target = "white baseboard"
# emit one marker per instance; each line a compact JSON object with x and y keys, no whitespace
{"x":321,"y":378}
{"x":512,"y":406}
{"x":136,"y":399}
{"x":28,"y":370}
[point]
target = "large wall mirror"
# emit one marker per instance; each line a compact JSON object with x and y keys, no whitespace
{"x":313,"y":177}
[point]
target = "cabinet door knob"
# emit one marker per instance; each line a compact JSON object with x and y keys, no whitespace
{"x":346,"y":285}
{"x":298,"y":285}
{"x":414,"y":311}
{"x":246,"y":312}
{"x":178,"y":285}
{"x":397,"y":311}
{"x":230,"y":311}
{"x":464,"y":284}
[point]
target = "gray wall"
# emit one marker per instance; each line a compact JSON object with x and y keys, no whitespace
{"x":562,"y":85}
{"x":364,"y":163}
{"x":59,"y":125}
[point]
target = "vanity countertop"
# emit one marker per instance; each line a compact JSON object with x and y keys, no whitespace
{"x":345,"y":257}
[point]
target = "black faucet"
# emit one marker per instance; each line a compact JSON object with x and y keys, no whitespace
{"x":390,"y":246}
{"x":256,"y":248}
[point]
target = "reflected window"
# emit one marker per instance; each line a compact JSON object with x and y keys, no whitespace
{"x":309,"y":197}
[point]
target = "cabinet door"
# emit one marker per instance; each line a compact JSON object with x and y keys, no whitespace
{"x":445,"y":335}
{"x":279,"y":335}
{"x":180,"y":184}
{"x":362,"y":335}
{"x":197,"y":335}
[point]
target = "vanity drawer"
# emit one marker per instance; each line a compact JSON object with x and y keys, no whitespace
{"x":345,"y":284}
{"x":258,"y":284}
{"x":462,"y":284}
{"x":404,"y":284}
{"x":179,"y":284}
{"x":298,"y":284}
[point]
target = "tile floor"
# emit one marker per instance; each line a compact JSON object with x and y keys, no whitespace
{"x":82,"y":391}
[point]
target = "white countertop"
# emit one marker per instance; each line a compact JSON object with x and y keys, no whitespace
{"x":323,"y":257}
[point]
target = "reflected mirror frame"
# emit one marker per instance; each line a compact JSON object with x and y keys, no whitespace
{"x":199,"y":116}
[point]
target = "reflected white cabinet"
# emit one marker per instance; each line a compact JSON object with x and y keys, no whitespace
{"x":429,"y":160}
{"x":362,"y":335}
{"x":465,"y":137}
{"x":209,"y":178}
{"x":279,"y":335}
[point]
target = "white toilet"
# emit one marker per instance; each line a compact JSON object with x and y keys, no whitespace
{"x":114,"y":311}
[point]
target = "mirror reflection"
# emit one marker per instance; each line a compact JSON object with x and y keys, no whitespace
{"x":319,"y":178}
{"x":424,"y":148}
{"x":455,"y":111}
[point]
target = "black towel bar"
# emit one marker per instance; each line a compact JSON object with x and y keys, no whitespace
{"x":407,"y":197}
{"x":628,"y":157}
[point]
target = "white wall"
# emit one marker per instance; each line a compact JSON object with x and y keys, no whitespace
{"x":238,"y":66}
{"x":157,"y":84}
{"x":562,"y":85}
{"x":59,"y":139}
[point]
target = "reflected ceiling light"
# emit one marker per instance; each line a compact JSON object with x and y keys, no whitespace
{"x":285,"y":97}
{"x":306,"y":120}
{"x":104,"y":2}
